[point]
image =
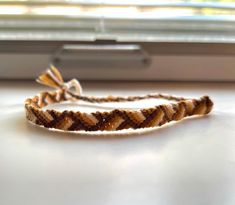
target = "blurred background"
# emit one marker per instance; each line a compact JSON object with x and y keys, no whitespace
{"x":177,"y":40}
{"x":118,"y":48}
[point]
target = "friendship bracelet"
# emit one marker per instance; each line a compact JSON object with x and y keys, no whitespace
{"x":116,"y":119}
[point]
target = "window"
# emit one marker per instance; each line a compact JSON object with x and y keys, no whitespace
{"x":148,"y":20}
{"x":114,"y":36}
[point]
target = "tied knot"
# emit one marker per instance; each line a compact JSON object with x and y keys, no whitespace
{"x":74,"y":86}
{"x":53,"y":78}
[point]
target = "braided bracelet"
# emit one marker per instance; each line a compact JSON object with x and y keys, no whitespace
{"x":116,"y":119}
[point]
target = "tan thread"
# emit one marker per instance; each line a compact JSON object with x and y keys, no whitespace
{"x":117,"y":119}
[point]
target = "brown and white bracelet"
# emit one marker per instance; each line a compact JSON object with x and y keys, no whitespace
{"x":116,"y":119}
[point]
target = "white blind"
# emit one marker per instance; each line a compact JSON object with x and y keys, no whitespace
{"x":139,"y":20}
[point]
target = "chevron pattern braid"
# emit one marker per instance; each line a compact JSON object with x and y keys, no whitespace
{"x":117,"y":119}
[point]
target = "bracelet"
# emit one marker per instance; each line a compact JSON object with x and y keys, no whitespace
{"x":116,"y":119}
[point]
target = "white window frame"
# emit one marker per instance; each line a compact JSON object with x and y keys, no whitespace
{"x":185,"y":48}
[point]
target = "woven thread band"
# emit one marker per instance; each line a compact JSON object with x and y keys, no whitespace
{"x":117,"y":119}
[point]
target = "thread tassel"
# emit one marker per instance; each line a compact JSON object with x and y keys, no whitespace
{"x":51,"y":77}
